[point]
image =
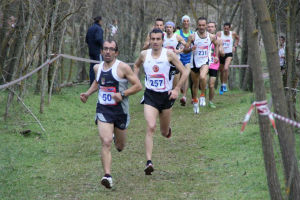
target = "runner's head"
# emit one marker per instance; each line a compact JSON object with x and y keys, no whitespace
{"x":170,"y":27}
{"x":281,"y":40}
{"x":185,"y":22}
{"x":201,"y":24}
{"x":226,"y":27}
{"x":110,"y":50}
{"x":159,"y":23}
{"x":156,"y":39}
{"x":211,"y":27}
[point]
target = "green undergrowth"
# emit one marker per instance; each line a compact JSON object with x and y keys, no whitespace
{"x":206,"y":157}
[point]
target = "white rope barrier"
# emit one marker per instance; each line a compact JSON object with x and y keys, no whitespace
{"x":57,"y":56}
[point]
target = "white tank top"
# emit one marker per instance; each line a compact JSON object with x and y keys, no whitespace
{"x":227,"y":42}
{"x":157,"y":72}
{"x":170,"y":43}
{"x":202,"y":54}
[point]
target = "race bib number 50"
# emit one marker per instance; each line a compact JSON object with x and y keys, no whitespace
{"x":157,"y":81}
{"x":105,"y":95}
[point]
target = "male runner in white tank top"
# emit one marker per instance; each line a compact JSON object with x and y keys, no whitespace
{"x":173,"y":42}
{"x":159,"y":95}
{"x":227,"y":37}
{"x":112,"y":106}
{"x":200,"y":60}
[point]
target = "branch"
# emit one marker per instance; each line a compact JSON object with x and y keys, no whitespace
{"x":36,"y":119}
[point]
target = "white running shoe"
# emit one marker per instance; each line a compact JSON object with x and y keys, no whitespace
{"x":202,"y":101}
{"x":196,"y":108}
{"x":107,"y":182}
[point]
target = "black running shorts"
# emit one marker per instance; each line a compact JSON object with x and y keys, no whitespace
{"x":120,"y":121}
{"x":213,"y":72}
{"x":222,"y":59}
{"x":158,"y":100}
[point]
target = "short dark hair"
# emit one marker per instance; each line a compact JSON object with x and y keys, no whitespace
{"x":282,"y":37}
{"x":110,"y":40}
{"x":227,"y":24}
{"x":202,"y":18}
{"x":157,"y":30}
{"x":159,"y":20}
{"x":98,"y":18}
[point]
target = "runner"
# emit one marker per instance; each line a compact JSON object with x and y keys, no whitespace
{"x":200,"y":60}
{"x":227,"y":37}
{"x":159,"y":23}
{"x":172,"y":41}
{"x":185,"y":58}
{"x":112,"y":106}
{"x":213,"y":67}
{"x":159,"y":96}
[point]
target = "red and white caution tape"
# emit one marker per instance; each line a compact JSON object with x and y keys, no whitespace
{"x":263,"y":109}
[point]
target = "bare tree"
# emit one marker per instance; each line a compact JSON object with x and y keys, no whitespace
{"x":285,"y":134}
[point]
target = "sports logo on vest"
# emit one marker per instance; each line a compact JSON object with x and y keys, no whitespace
{"x":155,"y":68}
{"x":103,"y":80}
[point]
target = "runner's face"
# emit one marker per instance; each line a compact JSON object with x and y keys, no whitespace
{"x":226,"y":29}
{"x":156,"y":41}
{"x":160,"y":25}
{"x":201,"y":26}
{"x":169,"y":29}
{"x":109,"y":51}
{"x":186,"y":23}
{"x":211,"y":28}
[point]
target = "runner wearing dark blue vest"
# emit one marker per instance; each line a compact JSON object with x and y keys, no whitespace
{"x":112,"y":113}
{"x":185,"y":58}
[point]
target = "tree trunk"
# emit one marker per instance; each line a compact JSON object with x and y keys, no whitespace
{"x":285,"y":134}
{"x":265,"y":133}
{"x":290,"y":58}
{"x":244,"y":56}
{"x":49,"y":51}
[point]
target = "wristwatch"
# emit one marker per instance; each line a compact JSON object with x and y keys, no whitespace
{"x":122,"y":94}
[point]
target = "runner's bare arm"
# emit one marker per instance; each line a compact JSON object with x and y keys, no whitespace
{"x":236,"y":37}
{"x":146,"y":43}
{"x":216,"y":43}
{"x":218,"y":34}
{"x":139,"y":62}
{"x":127,"y":73}
{"x":94,"y":87}
{"x":172,"y":57}
{"x":182,"y":41}
{"x":188,"y":47}
{"x":221,"y":48}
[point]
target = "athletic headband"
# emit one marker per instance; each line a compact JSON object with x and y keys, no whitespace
{"x":185,"y":17}
{"x":169,"y":23}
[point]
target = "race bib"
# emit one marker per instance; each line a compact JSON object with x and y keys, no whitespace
{"x":171,"y":48}
{"x":157,"y":81}
{"x":105,"y":95}
{"x":226,"y":43}
{"x":203,"y":51}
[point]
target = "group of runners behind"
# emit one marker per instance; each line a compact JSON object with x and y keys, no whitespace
{"x":167,"y":59}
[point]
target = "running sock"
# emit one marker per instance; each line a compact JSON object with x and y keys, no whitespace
{"x":202,"y":95}
{"x":107,"y":175}
{"x":224,"y":84}
{"x":195,"y":100}
{"x":148,"y":162}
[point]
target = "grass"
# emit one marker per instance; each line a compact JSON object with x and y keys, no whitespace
{"x":206,"y":157}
